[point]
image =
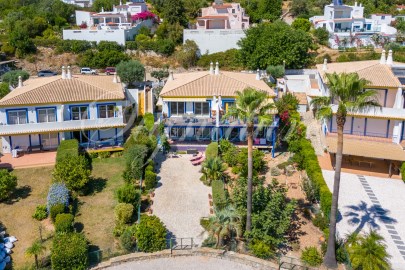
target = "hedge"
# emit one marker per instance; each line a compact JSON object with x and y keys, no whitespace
{"x":149,"y":121}
{"x":218,"y":194}
{"x":69,"y":251}
{"x":212,"y":150}
{"x":403,"y":171}
{"x":64,"y":223}
{"x":151,"y":234}
{"x":67,"y":147}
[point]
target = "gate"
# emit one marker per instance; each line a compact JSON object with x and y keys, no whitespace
{"x":290,"y":263}
{"x":181,"y":244}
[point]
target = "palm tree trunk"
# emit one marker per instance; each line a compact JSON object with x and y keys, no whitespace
{"x":330,"y":256}
{"x":250,"y":176}
{"x":36,"y":261}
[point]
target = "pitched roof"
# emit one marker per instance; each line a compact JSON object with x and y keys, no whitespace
{"x":364,"y":148}
{"x":378,"y":74}
{"x":51,"y":90}
{"x":202,"y":84}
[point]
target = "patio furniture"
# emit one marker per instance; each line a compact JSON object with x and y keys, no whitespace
{"x":192,"y":151}
{"x":200,"y":155}
{"x":35,"y":147}
{"x":198,"y":161}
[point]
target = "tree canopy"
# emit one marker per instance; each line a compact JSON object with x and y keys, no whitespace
{"x":272,"y":43}
{"x":259,"y":10}
{"x":131,"y":71}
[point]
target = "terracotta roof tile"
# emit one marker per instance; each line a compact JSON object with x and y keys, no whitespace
{"x":379,"y":75}
{"x":302,"y":98}
{"x":202,"y":84}
{"x":51,"y":90}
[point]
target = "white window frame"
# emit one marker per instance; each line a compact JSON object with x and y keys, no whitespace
{"x":105,"y":106}
{"x":80,"y":112}
{"x":202,"y":109}
{"x":48,"y":115}
{"x":177,"y":109}
{"x":18,"y":117}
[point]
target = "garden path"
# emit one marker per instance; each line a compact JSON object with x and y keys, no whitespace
{"x":181,"y":199}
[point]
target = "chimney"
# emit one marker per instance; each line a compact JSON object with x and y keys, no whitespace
{"x":258,"y":75}
{"x":211,"y":68}
{"x":20,"y":82}
{"x":325,"y":64}
{"x":69,"y":73}
{"x":355,"y":4}
{"x":102,"y":9}
{"x":115,"y":80}
{"x":389,"y":58}
{"x":217,"y":68}
{"x":171,"y":77}
{"x":382,"y":60}
{"x":63,"y":73}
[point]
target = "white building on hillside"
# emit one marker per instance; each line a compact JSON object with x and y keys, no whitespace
{"x":117,"y":25}
{"x":80,"y":3}
{"x":349,"y":28}
{"x":219,"y":27}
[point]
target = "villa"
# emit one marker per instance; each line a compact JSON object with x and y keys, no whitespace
{"x":219,"y":28}
{"x":348,"y":27}
{"x":41,"y":112}
{"x":376,"y":134}
{"x":194,"y":103}
{"x":119,"y":25}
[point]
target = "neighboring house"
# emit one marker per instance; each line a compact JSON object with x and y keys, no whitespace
{"x":304,"y":87}
{"x":6,"y":66}
{"x":219,"y":27}
{"x":43,"y":111}
{"x":193,"y":105}
{"x":400,"y":7}
{"x":376,"y":134}
{"x":349,"y":28}
{"x":117,"y":25}
{"x":80,"y":3}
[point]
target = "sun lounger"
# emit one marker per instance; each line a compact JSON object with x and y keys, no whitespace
{"x":198,"y":161}
{"x":198,"y":156}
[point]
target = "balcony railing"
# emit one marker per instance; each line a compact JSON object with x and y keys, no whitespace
{"x":29,"y":128}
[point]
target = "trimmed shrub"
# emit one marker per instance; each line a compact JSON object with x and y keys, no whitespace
{"x":40,"y":212}
{"x":127,"y":238}
{"x":150,"y":180}
{"x":212,"y":150}
{"x":149,"y":121}
{"x":205,"y":223}
{"x":64,"y":223}
{"x":151,"y":234}
{"x":123,"y":213}
{"x":69,"y":251}
{"x":73,"y":171}
{"x":311,"y":256}
{"x":135,"y":160}
{"x":57,"y":194}
{"x":56,"y":210}
{"x":261,"y":250}
{"x":218,"y":194}
{"x":403,"y":171}
{"x":8,"y":182}
{"x":129,"y":194}
{"x":320,"y":221}
{"x":67,"y":147}
{"x":104,"y":155}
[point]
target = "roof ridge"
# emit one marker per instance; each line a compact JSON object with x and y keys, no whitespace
{"x":204,"y":75}
{"x":243,"y":81}
{"x":98,"y":87}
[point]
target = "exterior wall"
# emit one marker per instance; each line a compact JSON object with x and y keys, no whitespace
{"x":83,"y":17}
{"x":236,"y":18}
{"x":119,"y":35}
{"x":214,"y":40}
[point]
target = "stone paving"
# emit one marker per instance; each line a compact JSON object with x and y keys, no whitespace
{"x":181,"y":199}
{"x":314,"y":133}
{"x":367,"y":202}
{"x":179,"y":263}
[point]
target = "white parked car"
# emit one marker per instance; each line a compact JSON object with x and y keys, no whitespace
{"x":87,"y":70}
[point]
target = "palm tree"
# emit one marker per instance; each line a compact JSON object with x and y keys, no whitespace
{"x":224,"y":223}
{"x":36,"y":249}
{"x":213,"y":169}
{"x":368,"y":252}
{"x":348,"y":91}
{"x":251,"y":105}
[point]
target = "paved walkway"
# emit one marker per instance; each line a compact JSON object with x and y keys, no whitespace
{"x":314,"y":133}
{"x":28,"y":160}
{"x":181,"y":199}
{"x":378,"y":203}
{"x":186,"y":263}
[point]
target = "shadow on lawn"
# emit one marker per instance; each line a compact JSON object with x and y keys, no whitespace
{"x":362,"y":214}
{"x":19,"y":194}
{"x":95,"y":185}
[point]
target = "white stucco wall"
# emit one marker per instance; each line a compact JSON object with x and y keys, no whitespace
{"x":214,"y":40}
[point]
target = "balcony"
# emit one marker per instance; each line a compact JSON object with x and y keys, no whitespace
{"x":192,"y":121}
{"x":32,"y":128}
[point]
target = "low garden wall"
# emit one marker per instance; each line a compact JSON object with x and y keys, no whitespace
{"x":201,"y":252}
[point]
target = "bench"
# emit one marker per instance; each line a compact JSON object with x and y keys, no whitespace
{"x":35,"y":147}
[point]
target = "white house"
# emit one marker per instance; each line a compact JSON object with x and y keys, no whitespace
{"x":80,"y":3}
{"x":41,"y":112}
{"x":346,"y":22}
{"x":117,"y":25}
{"x":219,"y":28}
{"x":376,"y":133}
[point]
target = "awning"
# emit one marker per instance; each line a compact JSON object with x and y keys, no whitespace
{"x":370,"y":149}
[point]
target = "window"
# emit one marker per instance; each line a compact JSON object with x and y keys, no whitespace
{"x":17,"y":117}
{"x":46,"y":115}
{"x":177,"y":132}
{"x":106,"y":111}
{"x":233,"y":10}
{"x":203,"y":133}
{"x":79,"y":113}
{"x":177,"y":108}
{"x":201,"y":108}
{"x":49,"y":140}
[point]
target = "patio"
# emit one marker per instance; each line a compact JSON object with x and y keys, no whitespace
{"x":46,"y":158}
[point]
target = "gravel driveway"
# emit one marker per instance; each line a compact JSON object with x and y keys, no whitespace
{"x":181,"y":199}
{"x":378,"y":203}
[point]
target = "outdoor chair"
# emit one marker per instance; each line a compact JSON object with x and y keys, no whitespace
{"x":200,"y":155}
{"x":198,"y":161}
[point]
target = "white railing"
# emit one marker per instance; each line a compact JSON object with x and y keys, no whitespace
{"x":107,"y":26}
{"x":28,"y":128}
{"x":214,"y":31}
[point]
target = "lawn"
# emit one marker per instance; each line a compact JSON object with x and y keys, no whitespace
{"x":95,"y":215}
